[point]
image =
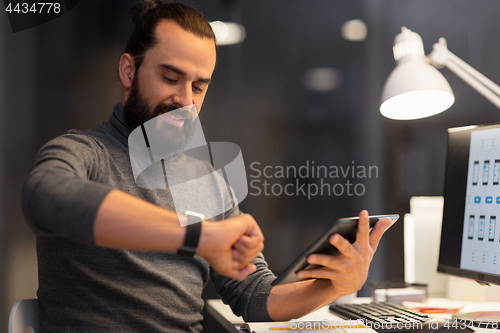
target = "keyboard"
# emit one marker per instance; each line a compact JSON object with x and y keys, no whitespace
{"x":382,"y":317}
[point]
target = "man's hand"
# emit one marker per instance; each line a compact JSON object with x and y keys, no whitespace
{"x":231,"y":244}
{"x":348,"y":271}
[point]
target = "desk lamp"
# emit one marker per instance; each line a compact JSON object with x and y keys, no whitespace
{"x":416,"y":89}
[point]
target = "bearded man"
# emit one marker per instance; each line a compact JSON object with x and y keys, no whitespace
{"x":113,"y":256}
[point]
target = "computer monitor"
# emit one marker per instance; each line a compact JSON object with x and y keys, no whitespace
{"x":470,"y":236}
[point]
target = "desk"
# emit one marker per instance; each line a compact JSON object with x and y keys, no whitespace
{"x":224,"y":316}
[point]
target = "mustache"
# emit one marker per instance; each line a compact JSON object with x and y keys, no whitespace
{"x":174,"y":110}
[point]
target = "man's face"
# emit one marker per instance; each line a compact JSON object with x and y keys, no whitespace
{"x":175,"y":73}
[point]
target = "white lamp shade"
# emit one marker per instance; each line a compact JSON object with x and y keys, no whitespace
{"x":415,"y":90}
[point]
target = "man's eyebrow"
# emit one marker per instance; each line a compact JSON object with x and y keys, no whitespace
{"x":181,"y":72}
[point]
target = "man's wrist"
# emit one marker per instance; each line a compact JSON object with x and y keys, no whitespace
{"x":192,"y":236}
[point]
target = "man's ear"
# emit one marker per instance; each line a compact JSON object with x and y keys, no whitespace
{"x":126,"y":70}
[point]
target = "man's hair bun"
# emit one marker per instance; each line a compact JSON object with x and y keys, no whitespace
{"x":141,"y":8}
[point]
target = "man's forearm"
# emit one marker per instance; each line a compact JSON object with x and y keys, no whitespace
{"x":126,"y":222}
{"x":294,"y":300}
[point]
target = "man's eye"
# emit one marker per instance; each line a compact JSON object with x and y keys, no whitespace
{"x":170,"y":80}
{"x":197,"y":89}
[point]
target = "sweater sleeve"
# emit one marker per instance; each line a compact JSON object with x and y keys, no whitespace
{"x":58,"y":197}
{"x":247,"y":298}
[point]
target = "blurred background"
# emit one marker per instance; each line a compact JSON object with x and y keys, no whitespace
{"x":299,"y":89}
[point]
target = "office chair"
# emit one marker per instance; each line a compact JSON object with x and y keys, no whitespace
{"x":24,"y":314}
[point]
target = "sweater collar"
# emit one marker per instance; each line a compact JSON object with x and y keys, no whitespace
{"x":117,"y":119}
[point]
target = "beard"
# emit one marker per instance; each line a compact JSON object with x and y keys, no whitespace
{"x":165,"y":139}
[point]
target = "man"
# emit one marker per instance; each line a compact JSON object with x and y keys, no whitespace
{"x":107,"y":247}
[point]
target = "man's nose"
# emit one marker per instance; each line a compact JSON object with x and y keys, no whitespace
{"x":184,"y":95}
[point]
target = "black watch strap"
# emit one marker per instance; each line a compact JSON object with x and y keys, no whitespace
{"x":193,"y":231}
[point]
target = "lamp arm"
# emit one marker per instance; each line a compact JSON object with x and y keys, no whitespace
{"x":441,"y":56}
{"x":477,"y":75}
{"x":474,"y":83}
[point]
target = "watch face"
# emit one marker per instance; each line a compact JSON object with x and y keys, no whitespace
{"x":193,"y":217}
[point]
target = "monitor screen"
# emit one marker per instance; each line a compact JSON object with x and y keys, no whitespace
{"x":470,"y":237}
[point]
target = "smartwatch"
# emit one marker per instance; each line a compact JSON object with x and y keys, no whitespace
{"x":193,"y":231}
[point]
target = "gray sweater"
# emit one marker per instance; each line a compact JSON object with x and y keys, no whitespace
{"x":85,"y":288}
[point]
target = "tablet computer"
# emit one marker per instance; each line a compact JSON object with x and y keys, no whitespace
{"x":347,"y":227}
